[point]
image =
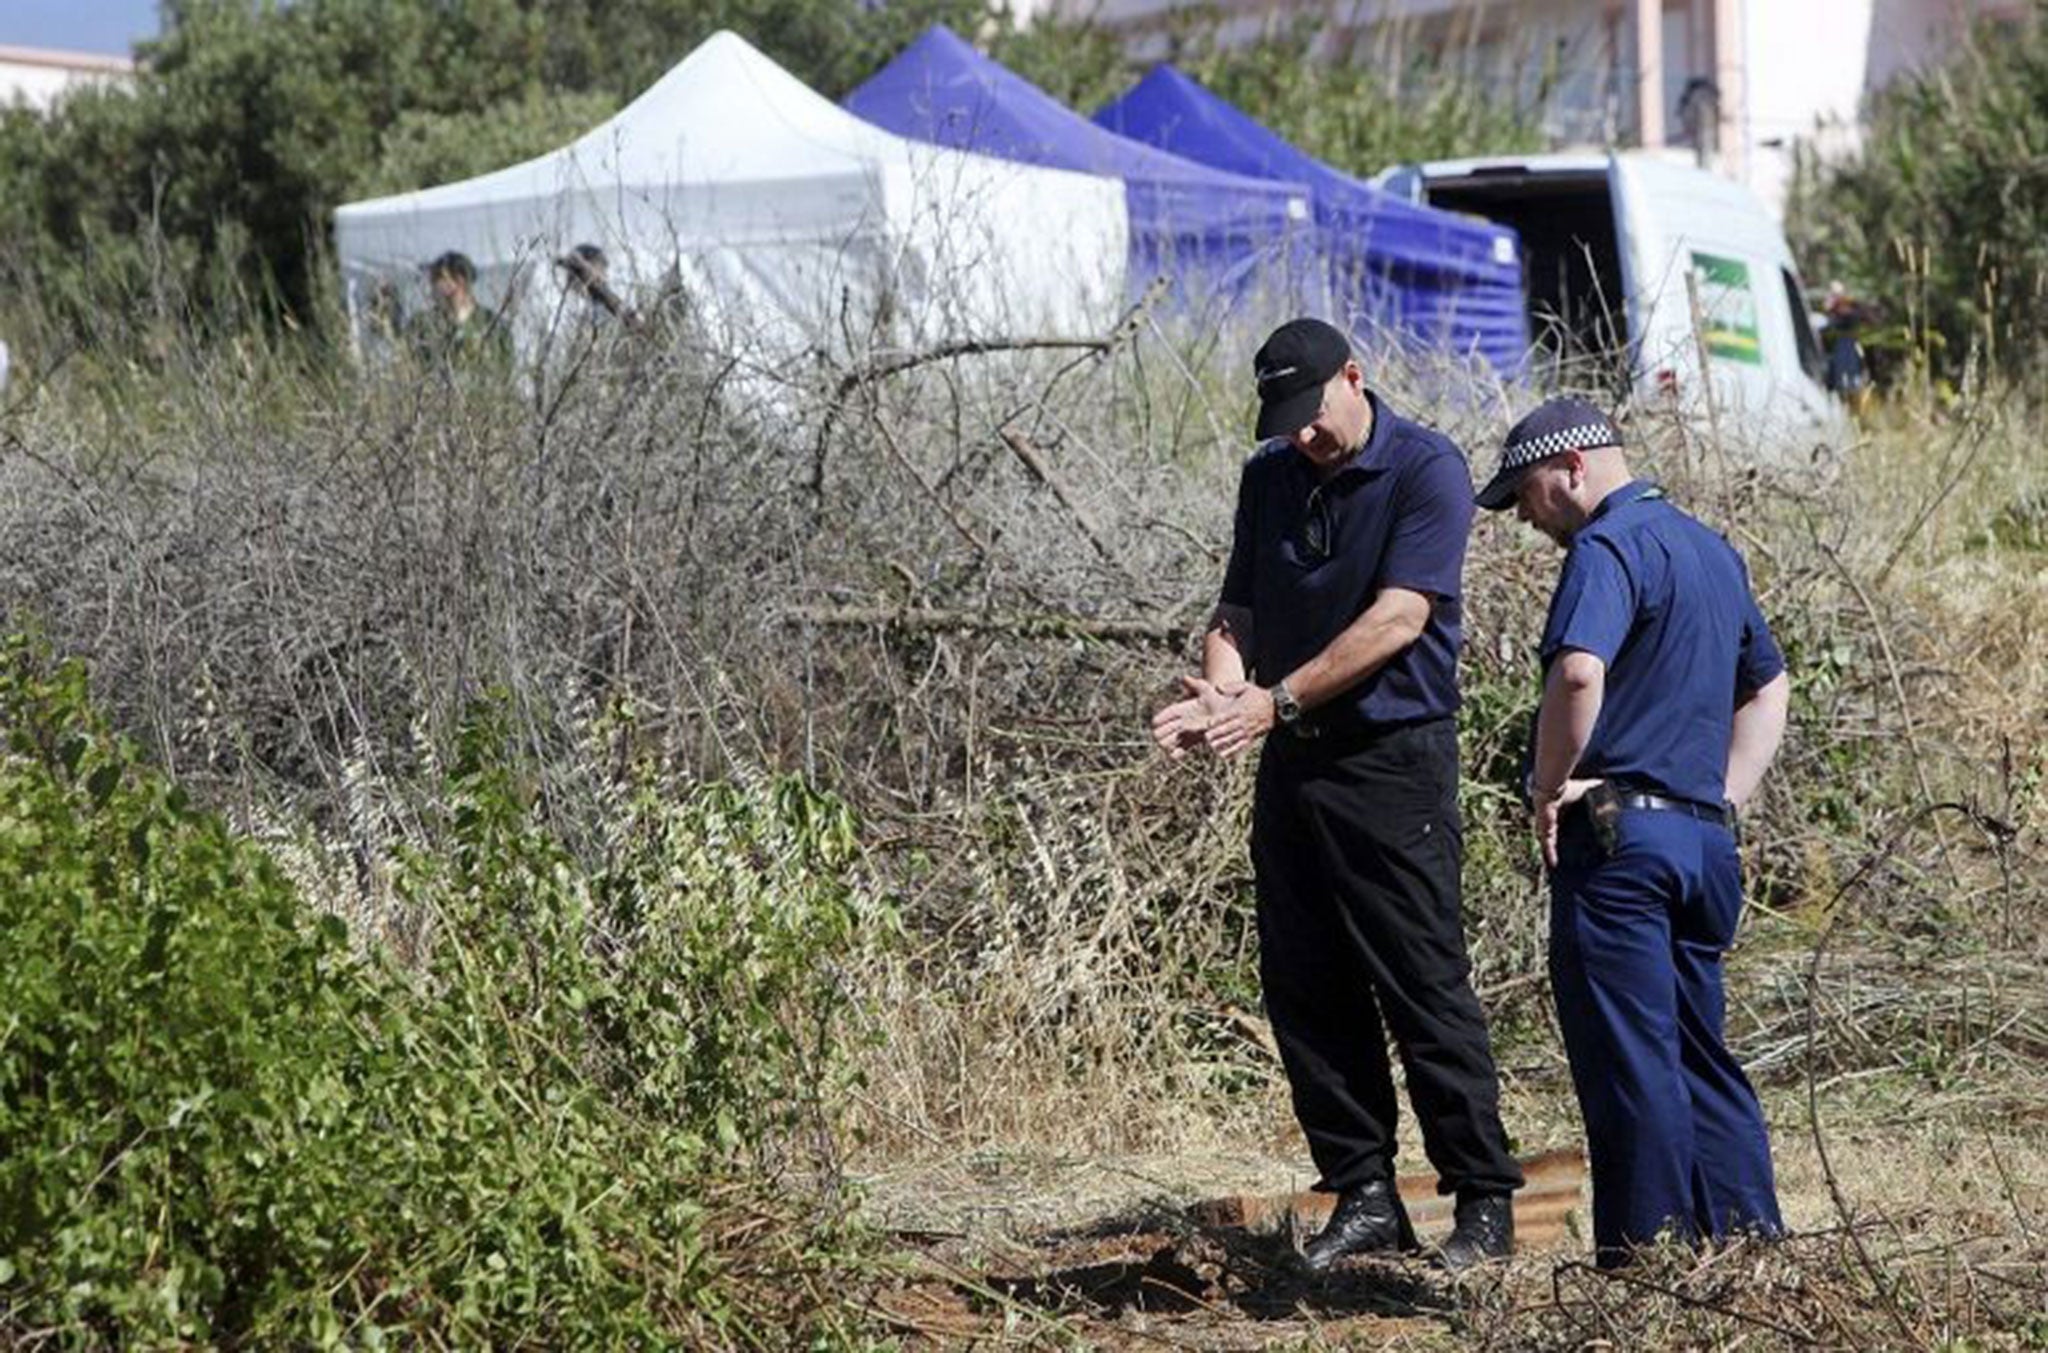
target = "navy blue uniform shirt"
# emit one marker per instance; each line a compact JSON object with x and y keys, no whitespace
{"x":1665,"y":603}
{"x":1308,"y":556}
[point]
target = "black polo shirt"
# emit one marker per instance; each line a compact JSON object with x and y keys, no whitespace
{"x":1308,"y":556}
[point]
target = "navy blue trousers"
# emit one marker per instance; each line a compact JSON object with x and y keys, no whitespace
{"x":1675,"y":1136}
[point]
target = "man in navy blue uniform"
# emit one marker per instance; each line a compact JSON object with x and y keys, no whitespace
{"x":1664,"y":699}
{"x":1342,"y":596}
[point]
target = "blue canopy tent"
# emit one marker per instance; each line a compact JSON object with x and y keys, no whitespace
{"x":1427,"y":275}
{"x":1216,"y":236}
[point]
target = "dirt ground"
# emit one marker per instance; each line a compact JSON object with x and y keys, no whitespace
{"x":1015,"y":1248}
{"x":1135,"y":1252}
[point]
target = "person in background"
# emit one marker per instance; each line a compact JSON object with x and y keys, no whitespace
{"x":1843,"y":321}
{"x":589,"y":280}
{"x":455,"y":327}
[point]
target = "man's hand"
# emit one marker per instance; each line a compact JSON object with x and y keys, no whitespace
{"x":1246,"y":716}
{"x":1181,"y":727}
{"x":1549,"y":809}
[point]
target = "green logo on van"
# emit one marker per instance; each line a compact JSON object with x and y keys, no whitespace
{"x":1727,"y":309}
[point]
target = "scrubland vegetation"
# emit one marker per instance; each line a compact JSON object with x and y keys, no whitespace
{"x":541,"y":842}
{"x":612,"y":858}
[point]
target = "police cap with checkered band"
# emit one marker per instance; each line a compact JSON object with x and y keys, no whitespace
{"x":1551,"y":429}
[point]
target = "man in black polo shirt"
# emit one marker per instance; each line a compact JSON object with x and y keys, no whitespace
{"x":1342,"y":597}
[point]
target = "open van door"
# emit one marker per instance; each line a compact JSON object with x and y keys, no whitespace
{"x":1578,"y":289}
{"x":1718,"y":318}
{"x":1654,"y":278}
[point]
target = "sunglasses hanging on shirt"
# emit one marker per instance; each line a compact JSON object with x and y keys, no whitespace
{"x":1318,"y":532}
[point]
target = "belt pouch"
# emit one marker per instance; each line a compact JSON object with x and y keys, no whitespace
{"x":1603,"y":810}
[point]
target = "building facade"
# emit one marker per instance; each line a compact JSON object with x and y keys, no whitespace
{"x":37,"y":76}
{"x":1736,"y":82}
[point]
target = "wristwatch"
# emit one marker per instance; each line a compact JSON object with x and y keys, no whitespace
{"x":1286,"y":708}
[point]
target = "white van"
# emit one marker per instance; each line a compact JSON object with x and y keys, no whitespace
{"x":1621,"y":252}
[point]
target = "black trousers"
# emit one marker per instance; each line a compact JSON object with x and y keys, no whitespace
{"x":1357,"y":847}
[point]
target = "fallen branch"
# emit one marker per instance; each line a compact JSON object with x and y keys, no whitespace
{"x":1040,"y":626}
{"x":966,"y":347}
{"x":871,"y":372}
{"x":1683,"y":1298}
{"x":945,"y":506}
{"x":1887,"y":1285}
{"x":1035,"y":461}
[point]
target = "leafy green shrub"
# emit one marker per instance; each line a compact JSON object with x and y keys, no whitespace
{"x":421,"y":149}
{"x":175,"y":1034}
{"x":250,"y":122}
{"x":214,"y":178}
{"x":218,"y":1122}
{"x":1942,"y":218}
{"x":690,"y":970}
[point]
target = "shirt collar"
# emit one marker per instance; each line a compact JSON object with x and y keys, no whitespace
{"x":1373,"y":455}
{"x":1635,"y":491}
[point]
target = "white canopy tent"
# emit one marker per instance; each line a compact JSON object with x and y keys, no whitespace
{"x":785,"y":223}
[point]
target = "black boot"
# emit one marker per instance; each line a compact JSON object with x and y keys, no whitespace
{"x":1485,"y":1230}
{"x":1368,"y":1219}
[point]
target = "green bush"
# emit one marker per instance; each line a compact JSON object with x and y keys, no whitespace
{"x":1942,"y":218}
{"x":690,"y":973}
{"x":211,"y":183}
{"x":220,"y":1122}
{"x":421,"y":149}
{"x":250,"y":121}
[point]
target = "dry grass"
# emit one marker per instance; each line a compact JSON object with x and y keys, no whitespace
{"x":1886,"y":993}
{"x":291,"y":581}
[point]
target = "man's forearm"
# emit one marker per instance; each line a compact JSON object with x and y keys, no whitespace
{"x":1393,"y":622}
{"x":1759,"y":728}
{"x":1227,"y":647}
{"x":1572,"y":696}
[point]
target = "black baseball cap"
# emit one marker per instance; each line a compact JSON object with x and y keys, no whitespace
{"x":1292,"y":367}
{"x":1551,"y":428}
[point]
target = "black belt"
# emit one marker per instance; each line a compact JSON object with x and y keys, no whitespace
{"x":1340,"y":739}
{"x":1657,"y":803}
